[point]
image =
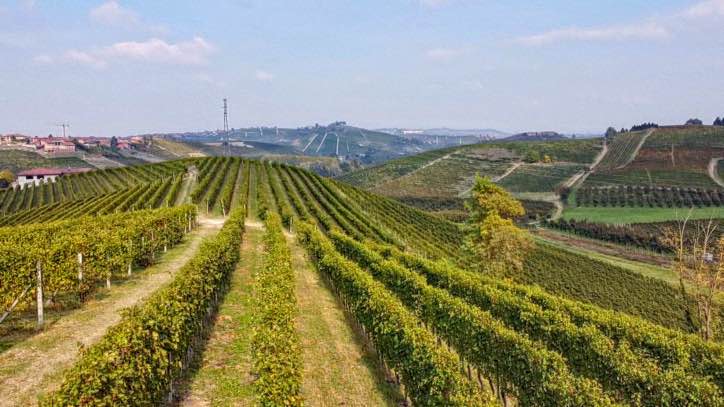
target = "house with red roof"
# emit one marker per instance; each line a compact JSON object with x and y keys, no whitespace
{"x":36,"y":176}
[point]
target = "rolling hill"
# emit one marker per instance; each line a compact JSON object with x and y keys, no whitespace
{"x":440,"y":179}
{"x":245,"y":300}
{"x":337,"y":140}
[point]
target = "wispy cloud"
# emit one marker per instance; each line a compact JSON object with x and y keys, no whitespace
{"x":709,"y":8}
{"x":84,"y":58}
{"x":263,"y":76}
{"x":444,"y":54}
{"x":435,"y":3}
{"x":193,"y":52}
{"x":112,"y":13}
{"x":650,"y":30}
{"x":43,"y":59}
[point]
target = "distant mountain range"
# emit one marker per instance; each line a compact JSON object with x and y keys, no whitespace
{"x":448,"y":132}
{"x":536,"y":136}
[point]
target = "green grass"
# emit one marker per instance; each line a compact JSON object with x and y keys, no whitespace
{"x":626,"y":215}
{"x":648,"y":270}
{"x":15,"y":161}
{"x":224,"y":375}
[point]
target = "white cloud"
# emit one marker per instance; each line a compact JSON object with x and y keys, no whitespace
{"x":43,"y":59}
{"x":112,"y":13}
{"x":650,"y":30}
{"x":84,"y":58}
{"x":263,"y":76}
{"x":709,"y":8}
{"x":194,"y":52}
{"x":444,"y":54}
{"x":654,"y":28}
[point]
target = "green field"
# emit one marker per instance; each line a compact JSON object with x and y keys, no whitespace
{"x":624,"y":215}
{"x":15,"y":161}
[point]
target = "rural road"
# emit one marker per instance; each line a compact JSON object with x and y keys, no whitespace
{"x":713,"y":170}
{"x":508,"y":171}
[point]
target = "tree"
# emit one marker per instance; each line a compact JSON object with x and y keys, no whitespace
{"x":532,"y":156}
{"x":610,"y":133}
{"x":699,"y":263}
{"x":694,"y":122}
{"x":719,"y":122}
{"x":493,"y":242}
{"x":6,"y":178}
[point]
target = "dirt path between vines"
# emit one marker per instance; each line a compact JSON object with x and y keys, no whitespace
{"x":224,"y":376}
{"x":713,"y":171}
{"x":638,"y":148}
{"x":508,"y":171}
{"x":34,"y":367}
{"x":337,"y":369}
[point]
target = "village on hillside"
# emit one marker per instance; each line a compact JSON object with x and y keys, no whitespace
{"x":53,"y":146}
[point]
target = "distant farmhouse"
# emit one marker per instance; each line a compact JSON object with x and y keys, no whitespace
{"x":37,"y":176}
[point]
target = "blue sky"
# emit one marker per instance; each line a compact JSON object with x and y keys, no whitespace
{"x":127,"y":67}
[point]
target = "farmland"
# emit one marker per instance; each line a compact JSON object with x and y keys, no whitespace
{"x":448,"y":174}
{"x":623,"y":215}
{"x":411,"y":322}
{"x":16,"y":160}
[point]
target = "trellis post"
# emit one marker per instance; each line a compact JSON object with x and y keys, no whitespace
{"x":39,"y":293}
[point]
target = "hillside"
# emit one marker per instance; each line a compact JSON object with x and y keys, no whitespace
{"x":315,"y":290}
{"x":448,"y":174}
{"x":671,"y":166}
{"x":337,"y":140}
{"x":16,"y":160}
{"x":674,"y":156}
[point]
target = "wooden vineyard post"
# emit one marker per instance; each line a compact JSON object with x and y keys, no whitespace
{"x":39,"y":294}
{"x":223,"y":209}
{"x":130,"y":262}
{"x":80,"y":268}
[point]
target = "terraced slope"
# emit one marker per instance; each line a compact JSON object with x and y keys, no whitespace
{"x":675,"y":156}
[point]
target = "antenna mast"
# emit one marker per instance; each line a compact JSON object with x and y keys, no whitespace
{"x":64,"y":126}
{"x":227,"y":144}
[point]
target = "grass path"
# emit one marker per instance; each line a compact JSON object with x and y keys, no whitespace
{"x":185,"y":190}
{"x":34,"y":367}
{"x":337,"y":370}
{"x":224,"y":375}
